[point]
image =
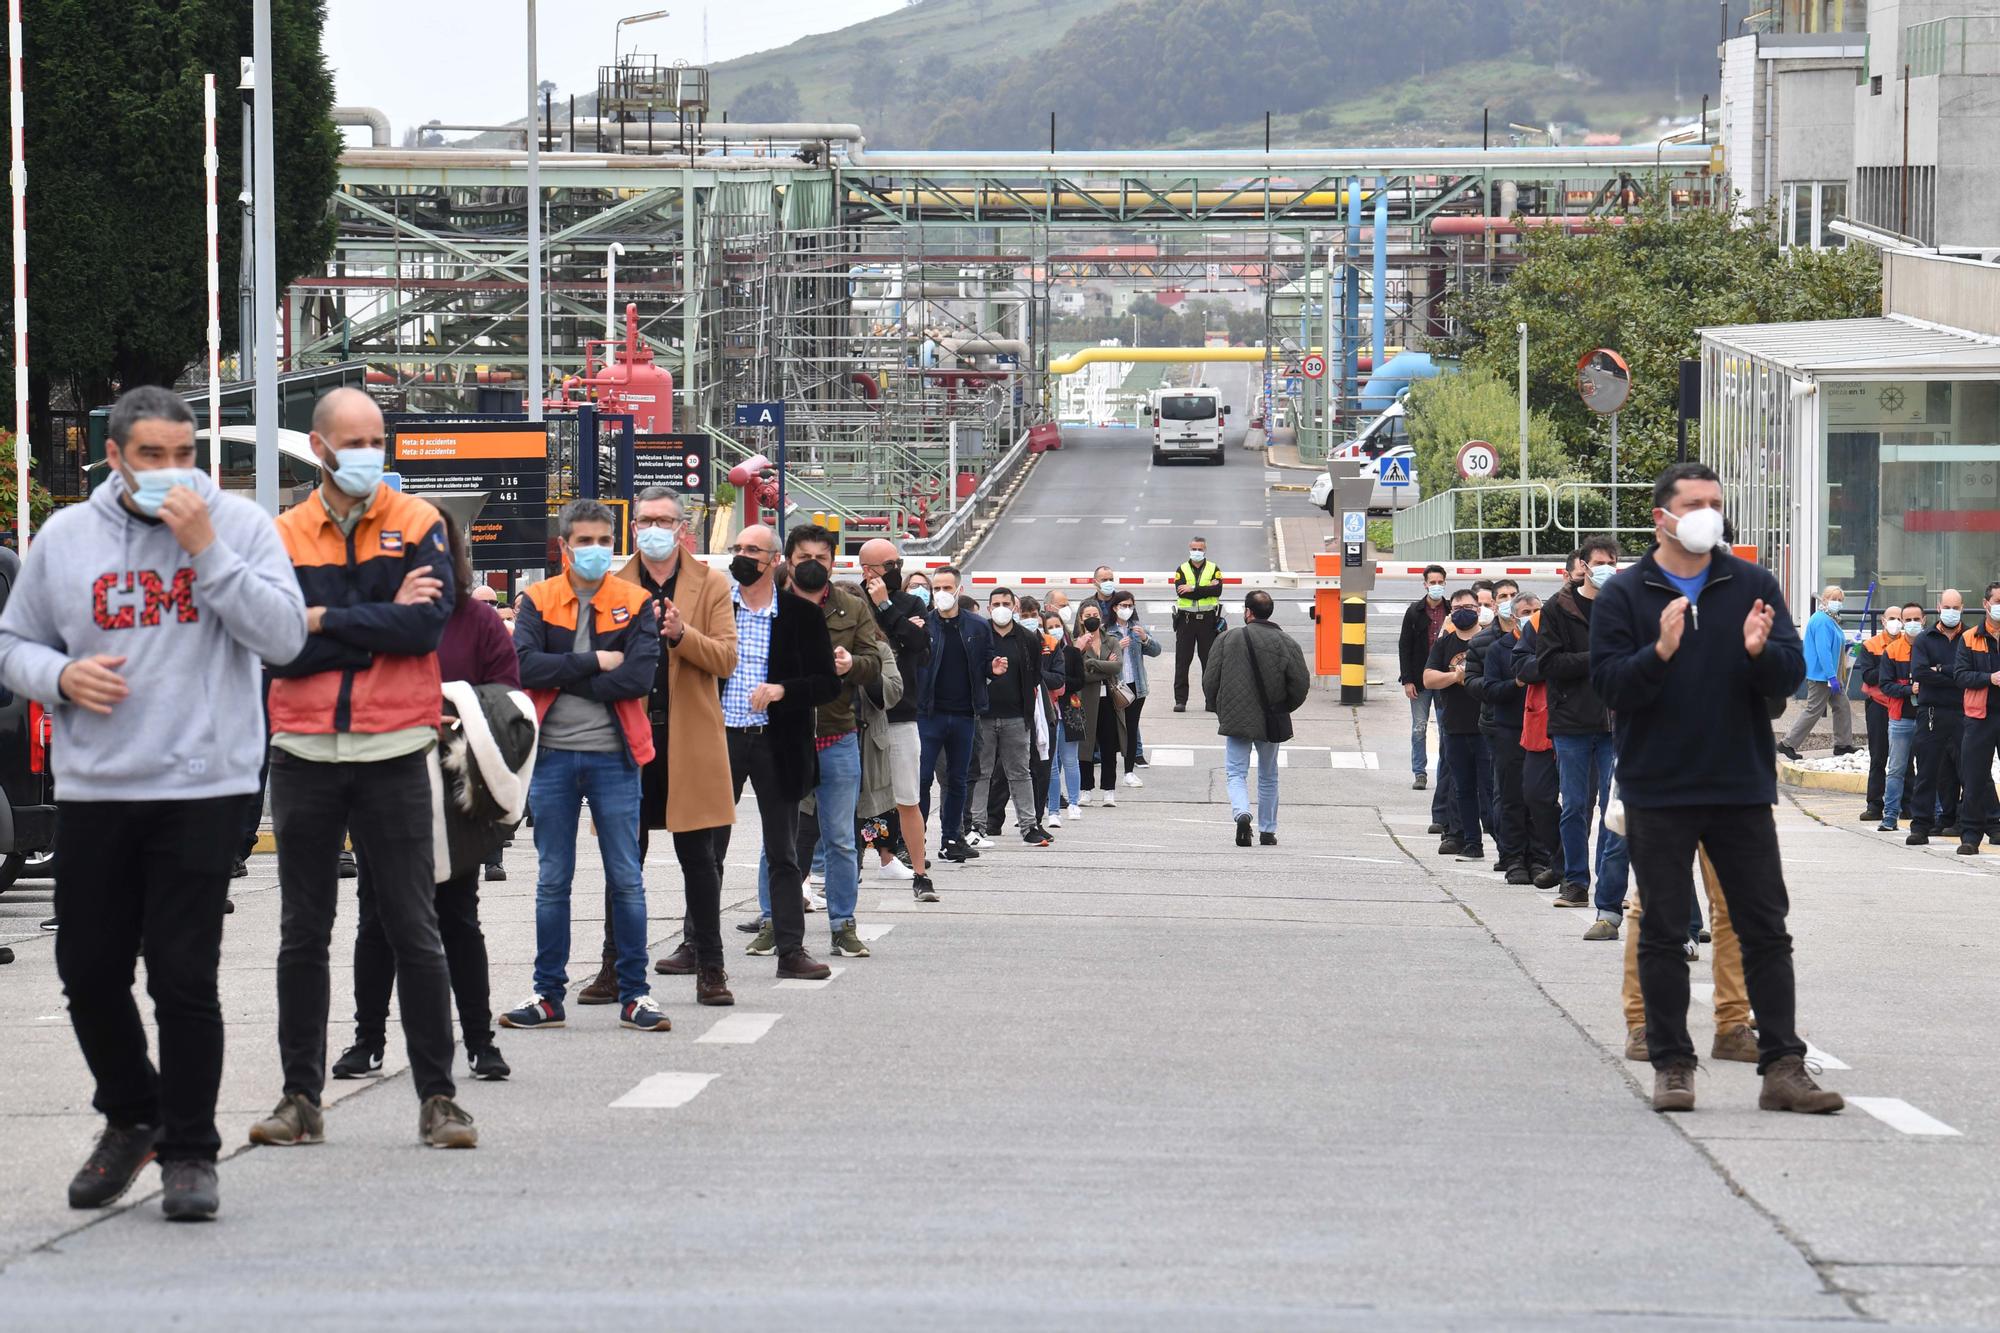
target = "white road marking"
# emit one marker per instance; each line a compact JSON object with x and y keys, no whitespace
{"x":663,"y":1092}
{"x":1159,"y":522}
{"x":1249,"y":522}
{"x":1371,"y":860}
{"x":1206,"y":523}
{"x":1701,"y":992}
{"x":892,"y":905}
{"x":870,"y":933}
{"x":1899,"y":1114}
{"x":1825,"y":1061}
{"x":1024,"y":520}
{"x":1161,"y":756}
{"x":1352,"y":759}
{"x":739,"y":1029}
{"x":1111,"y":520}
{"x":800,"y":983}
{"x":1069,"y":520}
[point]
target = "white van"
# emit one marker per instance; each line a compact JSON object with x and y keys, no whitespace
{"x":1387,"y":436}
{"x":1187,"y":423}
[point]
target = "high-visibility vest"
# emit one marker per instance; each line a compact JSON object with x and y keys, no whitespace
{"x":1207,"y":583}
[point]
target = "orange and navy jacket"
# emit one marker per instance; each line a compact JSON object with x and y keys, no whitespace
{"x":622,"y":621}
{"x":372,"y":668}
{"x":1885,"y":672}
{"x":1978,"y":659}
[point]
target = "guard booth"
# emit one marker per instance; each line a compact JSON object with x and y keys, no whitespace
{"x":1340,"y":611}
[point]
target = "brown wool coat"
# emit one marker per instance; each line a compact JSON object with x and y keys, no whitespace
{"x":697,"y":754}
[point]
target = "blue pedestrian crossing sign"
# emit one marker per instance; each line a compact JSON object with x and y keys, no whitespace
{"x":760,"y":414}
{"x":1394,"y":470}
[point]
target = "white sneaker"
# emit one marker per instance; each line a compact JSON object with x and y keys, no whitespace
{"x":1111,"y":800}
{"x":1052,"y":821}
{"x":975,"y":838}
{"x":894,"y":870}
{"x":815,"y":901}
{"x":812,"y":881}
{"x":1134,"y":780}
{"x":1076,"y":810}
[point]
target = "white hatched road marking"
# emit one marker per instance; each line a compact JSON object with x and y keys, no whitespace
{"x":1350,"y":759}
{"x":739,"y":1029}
{"x":870,"y":933}
{"x":800,"y":983}
{"x":1899,"y":1114}
{"x":663,"y":1092}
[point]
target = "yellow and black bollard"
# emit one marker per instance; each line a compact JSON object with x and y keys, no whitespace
{"x":1353,"y":650}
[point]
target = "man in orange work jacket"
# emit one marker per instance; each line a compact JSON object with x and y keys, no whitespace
{"x":1886,"y":676}
{"x":590,"y":647}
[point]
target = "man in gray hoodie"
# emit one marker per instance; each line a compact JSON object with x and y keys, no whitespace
{"x":139,"y":622}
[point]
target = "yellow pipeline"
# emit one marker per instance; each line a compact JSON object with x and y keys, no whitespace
{"x":995,"y":201}
{"x":1075,"y":361}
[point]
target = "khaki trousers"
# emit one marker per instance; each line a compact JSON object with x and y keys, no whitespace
{"x":1732,"y":1002}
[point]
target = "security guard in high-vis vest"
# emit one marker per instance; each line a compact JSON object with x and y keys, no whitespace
{"x":1197,"y":614}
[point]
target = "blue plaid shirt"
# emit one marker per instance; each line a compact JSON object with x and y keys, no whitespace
{"x":753,"y":661}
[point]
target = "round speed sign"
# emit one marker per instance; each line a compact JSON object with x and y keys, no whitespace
{"x":1314,"y":365}
{"x":1478,"y":461}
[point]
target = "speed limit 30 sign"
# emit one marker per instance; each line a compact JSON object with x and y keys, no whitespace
{"x":1478,"y":460}
{"x":1313,"y":366}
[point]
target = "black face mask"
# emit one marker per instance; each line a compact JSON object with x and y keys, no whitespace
{"x":1465,"y":617}
{"x":810,"y":575}
{"x":744,"y":569}
{"x":1090,"y":624}
{"x":892,"y":576}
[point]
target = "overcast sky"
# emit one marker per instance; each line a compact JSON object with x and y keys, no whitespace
{"x":465,"y":61}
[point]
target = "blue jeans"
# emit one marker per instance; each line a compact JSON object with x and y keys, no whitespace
{"x":1236,"y":766}
{"x":1902,"y":739}
{"x":951,"y":735}
{"x":1586,"y":765}
{"x":834,"y":855}
{"x":1064,"y":768}
{"x":563,"y":781}
{"x":1420,"y":720}
{"x":1464,"y":757}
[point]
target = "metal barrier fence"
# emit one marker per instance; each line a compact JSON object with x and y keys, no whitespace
{"x":1477,"y":522}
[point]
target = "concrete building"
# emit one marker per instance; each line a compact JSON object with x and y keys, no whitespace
{"x":1787,"y":118}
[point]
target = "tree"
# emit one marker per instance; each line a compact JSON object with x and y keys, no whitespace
{"x":40,"y":503}
{"x":113,"y":98}
{"x":770,"y":100}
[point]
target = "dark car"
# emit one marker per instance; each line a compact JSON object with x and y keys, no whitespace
{"x":27,"y":811}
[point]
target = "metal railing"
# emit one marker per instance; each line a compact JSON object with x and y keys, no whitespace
{"x":1960,"y":44}
{"x":1434,"y":528}
{"x":1591,"y":508}
{"x":948,"y":534}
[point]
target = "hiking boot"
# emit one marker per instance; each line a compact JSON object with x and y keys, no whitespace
{"x":1872,"y":813}
{"x":1419,"y":783}
{"x":121,"y":1153}
{"x":1673,"y":1088}
{"x":358,"y":1061}
{"x":711,"y":986}
{"x":1547,"y":877}
{"x":1573,"y":895}
{"x":190,"y":1191}
{"x":442,"y":1123}
{"x":1242,"y":830}
{"x":798,"y":965}
{"x":603,"y":988}
{"x":1267,"y":840}
{"x":495,"y":873}
{"x":487,"y":1063}
{"x":1918,"y":838}
{"x":923,"y":890}
{"x":1636,"y":1049}
{"x":1601,"y":929}
{"x":847,"y":943}
{"x":295,"y":1121}
{"x":644,"y":1015}
{"x":1736,"y":1042}
{"x":537,"y":1011}
{"x":1789,"y":1087}
{"x":766,"y":942}
{"x":680,"y":963}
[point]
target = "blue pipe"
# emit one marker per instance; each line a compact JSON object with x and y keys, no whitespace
{"x":1381,"y":263}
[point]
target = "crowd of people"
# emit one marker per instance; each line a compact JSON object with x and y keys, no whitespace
{"x":1609,"y":704}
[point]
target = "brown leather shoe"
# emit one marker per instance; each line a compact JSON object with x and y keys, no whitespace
{"x":798,"y":965}
{"x":679,"y":963}
{"x":1788,"y":1087}
{"x":1736,"y":1042}
{"x":1635,"y":1046}
{"x":604,"y":990}
{"x":711,"y":986}
{"x":1673,"y":1088}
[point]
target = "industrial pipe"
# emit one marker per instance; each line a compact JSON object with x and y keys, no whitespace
{"x":1514,"y":226}
{"x":376,"y":121}
{"x":1320,"y":161}
{"x":611,"y":254}
{"x":985,"y":346}
{"x":1075,"y":361}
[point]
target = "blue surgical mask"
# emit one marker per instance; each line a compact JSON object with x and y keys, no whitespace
{"x":656,"y":543}
{"x":1948,"y":616}
{"x":1506,"y":608}
{"x":1832,"y":608}
{"x":149,"y":489}
{"x":1434,"y":591}
{"x":1601,"y":574}
{"x":921,"y":593}
{"x":358,"y":471}
{"x":591,"y":563}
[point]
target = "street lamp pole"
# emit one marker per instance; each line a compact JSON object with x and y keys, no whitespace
{"x":264,"y":224}
{"x":534,"y":202}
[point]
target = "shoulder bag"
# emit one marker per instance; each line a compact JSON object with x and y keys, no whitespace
{"x":1277,"y":721}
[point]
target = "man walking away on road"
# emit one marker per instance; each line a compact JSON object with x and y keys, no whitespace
{"x":1257,"y":680}
{"x":1015,"y":668}
{"x":138,"y":621}
{"x":1978,"y":674}
{"x":1445,"y":672}
{"x":1826,"y":668}
{"x":1197,"y":614}
{"x":902,"y":619}
{"x":1581,"y":730}
{"x":1940,"y":723}
{"x":353,"y":720}
{"x":952,"y":697}
{"x":1689,"y":648}
{"x":784,"y":670}
{"x":1887,"y":673}
{"x":1423,"y":621}
{"x":590,"y":653}
{"x":1500,"y":699}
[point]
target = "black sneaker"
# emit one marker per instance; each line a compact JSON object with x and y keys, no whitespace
{"x":956,"y":850}
{"x":1451,"y":847}
{"x":121,"y":1153}
{"x":1547,"y":877}
{"x":488,"y":1064}
{"x":1840,"y":750}
{"x":1435,"y":828}
{"x":1037,"y":837}
{"x":1180,"y":708}
{"x":241,"y":870}
{"x":1968,"y":849}
{"x":752,"y":926}
{"x":1472,"y":853}
{"x":49,"y":925}
{"x":1918,"y":838}
{"x":1519,"y":875}
{"x":229,"y":907}
{"x":358,"y":1061}
{"x":348,"y":869}
{"x":190,"y":1191}
{"x":1871,"y":815}
{"x":1142,"y":762}
{"x":1267,"y":839}
{"x":6,"y":955}
{"x":495,"y":873}
{"x":1242,"y":830}
{"x":923,"y":889}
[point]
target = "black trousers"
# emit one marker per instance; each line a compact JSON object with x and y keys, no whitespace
{"x":1107,"y":749}
{"x":1510,"y":806}
{"x":1742,"y":844}
{"x":1977,"y":816}
{"x":1876,"y":717}
{"x":1541,"y":791}
{"x":387,"y":805}
{"x":464,"y":956}
{"x":147,"y":877}
{"x":1194,"y":632}
{"x":751,"y":760}
{"x":1134,"y":750}
{"x":1933,"y":801}
{"x":1465,"y":758}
